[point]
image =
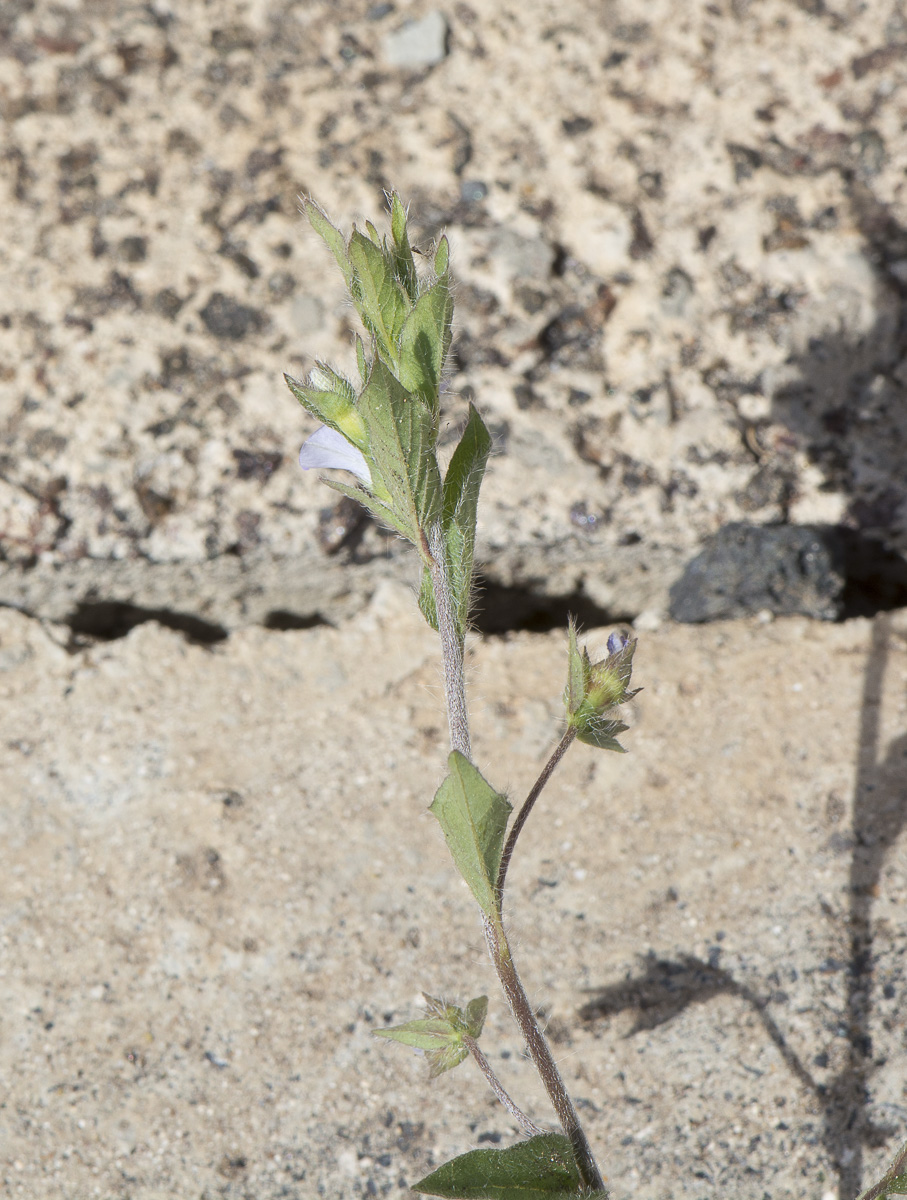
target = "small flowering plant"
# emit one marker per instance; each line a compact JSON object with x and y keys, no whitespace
{"x":382,"y":429}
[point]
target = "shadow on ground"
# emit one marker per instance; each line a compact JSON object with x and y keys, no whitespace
{"x":669,"y":985}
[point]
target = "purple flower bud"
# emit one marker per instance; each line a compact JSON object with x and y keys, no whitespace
{"x":616,"y":642}
{"x":328,"y":448}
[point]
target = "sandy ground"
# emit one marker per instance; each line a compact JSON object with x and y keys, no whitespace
{"x":219,"y":876}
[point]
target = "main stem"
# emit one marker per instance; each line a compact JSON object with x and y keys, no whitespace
{"x":540,"y":1053}
{"x":496,"y":939}
{"x":451,"y":646}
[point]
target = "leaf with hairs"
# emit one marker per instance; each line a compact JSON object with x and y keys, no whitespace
{"x":540,"y":1168}
{"x":473,"y":818}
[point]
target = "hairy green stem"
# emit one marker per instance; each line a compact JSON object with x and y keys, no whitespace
{"x":451,"y":646}
{"x":498,"y":1088}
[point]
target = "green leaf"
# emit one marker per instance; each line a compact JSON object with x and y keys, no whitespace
{"x":576,"y":672}
{"x":442,"y":1044}
{"x":424,"y":343}
{"x":330,"y":235}
{"x":602,"y":734}
{"x":442,"y":257}
{"x":376,"y":507}
{"x":441,"y":1035}
{"x":361,"y":360}
{"x":462,"y":483}
{"x":401,"y":444}
{"x":404,"y":263}
{"x":426,"y":1034}
{"x":473,"y":818}
{"x":476,"y":1012}
{"x":377,"y":294}
{"x":540,"y":1168}
{"x":427,"y":606}
{"x":463,"y":478}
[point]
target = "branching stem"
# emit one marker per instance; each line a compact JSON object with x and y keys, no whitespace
{"x":496,"y":939}
{"x":498,"y":1088}
{"x":516,"y":828}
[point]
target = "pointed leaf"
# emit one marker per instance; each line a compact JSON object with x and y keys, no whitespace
{"x":426,"y":1034}
{"x":427,"y":606}
{"x":330,"y":235}
{"x":540,"y":1168}
{"x":462,"y":483}
{"x":361,"y":361}
{"x":331,"y":407}
{"x":404,"y":263}
{"x":473,"y":817}
{"x":401,"y":444}
{"x":463,"y":477}
{"x":603,"y":734}
{"x":375,"y":506}
{"x":377,"y":294}
{"x":576,"y":675}
{"x":425,"y":341}
{"x":442,"y":256}
{"x":476,"y":1012}
{"x":440,"y":1035}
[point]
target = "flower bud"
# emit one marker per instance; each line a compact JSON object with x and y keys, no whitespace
{"x":594,"y":689}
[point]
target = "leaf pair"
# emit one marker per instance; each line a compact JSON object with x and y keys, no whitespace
{"x":441,"y":1035}
{"x":540,"y":1168}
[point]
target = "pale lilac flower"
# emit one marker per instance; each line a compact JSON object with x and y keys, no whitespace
{"x":616,"y":642}
{"x":328,"y":448}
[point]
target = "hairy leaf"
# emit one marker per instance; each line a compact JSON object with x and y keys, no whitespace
{"x":404,"y":263}
{"x":440,"y":1035}
{"x":540,"y":1168}
{"x":462,"y":483}
{"x":424,"y":342}
{"x":442,"y":257}
{"x":401,"y":444}
{"x":377,"y":294}
{"x":330,"y":235}
{"x":473,"y":817}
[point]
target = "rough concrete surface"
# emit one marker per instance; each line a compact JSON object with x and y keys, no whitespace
{"x":219,"y":875}
{"x":681,"y":252}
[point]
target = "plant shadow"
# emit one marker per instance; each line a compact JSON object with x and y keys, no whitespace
{"x":667,"y":986}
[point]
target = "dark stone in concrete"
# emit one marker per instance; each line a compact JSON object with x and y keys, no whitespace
{"x":226,"y":318}
{"x":745,"y":569}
